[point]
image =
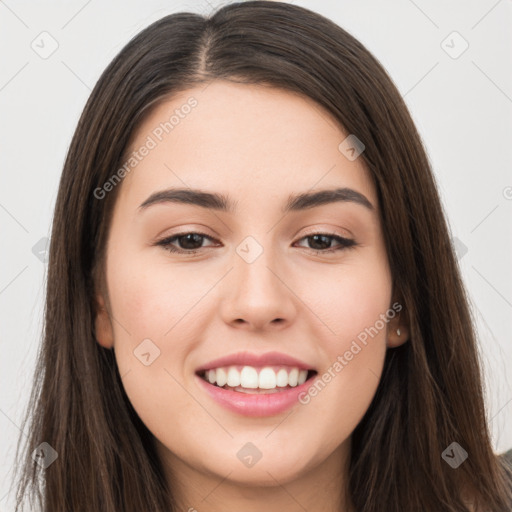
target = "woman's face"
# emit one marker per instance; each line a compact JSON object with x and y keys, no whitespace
{"x":259,"y":282}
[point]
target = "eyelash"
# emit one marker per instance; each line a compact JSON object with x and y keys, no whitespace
{"x":345,"y":243}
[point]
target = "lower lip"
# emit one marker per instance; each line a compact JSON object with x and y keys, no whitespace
{"x":255,"y":404}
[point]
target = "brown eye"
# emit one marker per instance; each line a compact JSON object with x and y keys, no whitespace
{"x":321,"y":242}
{"x":189,"y":243}
{"x":192,"y":242}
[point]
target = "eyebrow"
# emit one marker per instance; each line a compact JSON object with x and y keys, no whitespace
{"x":221,"y":202}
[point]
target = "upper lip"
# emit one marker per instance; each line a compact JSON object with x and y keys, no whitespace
{"x":248,"y":359}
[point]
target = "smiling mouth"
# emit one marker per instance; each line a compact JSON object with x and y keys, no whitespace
{"x":252,"y":380}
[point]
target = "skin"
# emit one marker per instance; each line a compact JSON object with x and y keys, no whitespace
{"x":258,"y":145}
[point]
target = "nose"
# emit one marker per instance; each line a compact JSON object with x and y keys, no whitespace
{"x":257,"y":295}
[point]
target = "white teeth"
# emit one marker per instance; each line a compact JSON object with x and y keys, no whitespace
{"x":267,"y":379}
{"x":282,"y":378}
{"x":249,"y":378}
{"x":221,"y":377}
{"x":293,"y":377}
{"x":233,"y":378}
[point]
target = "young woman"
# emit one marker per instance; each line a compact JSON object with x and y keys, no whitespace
{"x":253,"y":303}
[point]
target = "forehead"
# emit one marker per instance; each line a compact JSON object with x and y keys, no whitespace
{"x":256,"y":141}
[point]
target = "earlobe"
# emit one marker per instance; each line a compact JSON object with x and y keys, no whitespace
{"x":397,"y":336}
{"x":398,"y":330}
{"x":102,"y":325}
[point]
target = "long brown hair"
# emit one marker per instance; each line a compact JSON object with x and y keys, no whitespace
{"x":430,"y":393}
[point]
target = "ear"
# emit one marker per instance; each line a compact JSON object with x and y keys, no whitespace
{"x":103,"y":330}
{"x":398,"y":324}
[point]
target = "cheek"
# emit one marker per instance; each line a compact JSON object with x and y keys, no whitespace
{"x":153,"y":334}
{"x":155,"y":301}
{"x":350,"y":301}
{"x":355,"y":305}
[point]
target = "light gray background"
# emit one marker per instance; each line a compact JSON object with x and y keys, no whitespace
{"x":462,"y":107}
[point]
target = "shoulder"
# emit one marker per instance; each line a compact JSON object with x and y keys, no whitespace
{"x":507,"y":457}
